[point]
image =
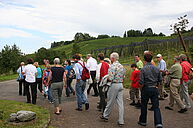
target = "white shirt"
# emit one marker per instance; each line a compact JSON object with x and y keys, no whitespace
{"x":91,"y":64}
{"x":98,"y":72}
{"x":30,"y":73}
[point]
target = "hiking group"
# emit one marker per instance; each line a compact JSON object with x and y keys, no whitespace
{"x":106,"y":79}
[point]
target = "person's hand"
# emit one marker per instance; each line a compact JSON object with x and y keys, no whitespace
{"x":192,"y":96}
{"x":78,"y":80}
{"x":64,"y":85}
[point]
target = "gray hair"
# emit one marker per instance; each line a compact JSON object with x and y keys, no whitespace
{"x":56,"y":61}
{"x":114,"y":55}
{"x":89,"y":55}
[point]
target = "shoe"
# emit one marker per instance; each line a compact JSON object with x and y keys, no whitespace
{"x":142,"y":124}
{"x":151,"y":109}
{"x":57,"y":113}
{"x":120,"y":125}
{"x":169,"y":108}
{"x":103,"y":118}
{"x":87,"y":106}
{"x":60,"y":110}
{"x":161,"y":98}
{"x":78,"y":109}
{"x":183,"y":110}
{"x":165,"y":95}
{"x":74,"y":93}
{"x":95,"y":95}
{"x":133,"y":104}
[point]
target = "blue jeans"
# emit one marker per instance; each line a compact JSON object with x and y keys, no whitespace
{"x":81,"y":98}
{"x":50,"y":97}
{"x":152,"y":94}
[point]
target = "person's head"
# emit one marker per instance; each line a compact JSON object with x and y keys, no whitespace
{"x":76,"y":57}
{"x":22,"y":63}
{"x":101,"y":56}
{"x":183,"y":57}
{"x":46,"y":61}
{"x":159,"y":57}
{"x":30,"y":61}
{"x":56,"y":61}
{"x":148,"y":57}
{"x":176,"y":59}
{"x":88,"y":56}
{"x":48,"y":67}
{"x":107,"y":60}
{"x":137,"y":58}
{"x":114,"y":57}
{"x":36,"y":64}
{"x":133,"y":66}
{"x":68,"y":62}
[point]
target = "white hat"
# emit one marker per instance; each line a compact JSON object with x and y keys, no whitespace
{"x":159,"y":55}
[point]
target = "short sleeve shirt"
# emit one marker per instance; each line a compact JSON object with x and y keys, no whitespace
{"x":68,"y":68}
{"x":57,"y":74}
{"x":30,"y":73}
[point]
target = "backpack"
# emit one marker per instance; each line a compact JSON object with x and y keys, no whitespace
{"x":72,"y":74}
{"x":85,"y":72}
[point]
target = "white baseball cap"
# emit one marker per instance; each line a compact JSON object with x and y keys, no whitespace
{"x":159,"y":55}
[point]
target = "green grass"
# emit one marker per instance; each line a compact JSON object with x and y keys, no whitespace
{"x":9,"y":107}
{"x":8,"y":77}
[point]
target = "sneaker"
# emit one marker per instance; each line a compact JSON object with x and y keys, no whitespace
{"x":165,"y":95}
{"x":169,"y":108}
{"x":161,"y":98}
{"x":78,"y":109}
{"x":120,"y":125}
{"x":182,"y":110}
{"x":103,"y":118}
{"x":142,"y":124}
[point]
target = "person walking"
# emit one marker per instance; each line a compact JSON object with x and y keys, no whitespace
{"x":68,"y":70}
{"x":185,"y":80}
{"x":30,"y":72}
{"x":175,"y":74}
{"x":102,"y":70}
{"x":162,"y":67}
{"x":116,"y":74}
{"x":80,"y":83}
{"x":92,"y":66}
{"x":150,"y":79}
{"x":58,"y":77}
{"x":39,"y":77}
{"x":21,"y":79}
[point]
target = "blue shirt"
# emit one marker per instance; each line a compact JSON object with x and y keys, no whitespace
{"x":19,"y":71}
{"x":162,"y":65}
{"x":78,"y":69}
{"x":39,"y":72}
{"x":68,"y":68}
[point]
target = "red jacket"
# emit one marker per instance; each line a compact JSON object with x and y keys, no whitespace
{"x":135,"y":79}
{"x":104,"y":69}
{"x":186,"y":66}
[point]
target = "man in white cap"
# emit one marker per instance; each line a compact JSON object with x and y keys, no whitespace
{"x":163,"y":68}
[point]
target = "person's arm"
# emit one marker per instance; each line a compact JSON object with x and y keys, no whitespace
{"x":64,"y":77}
{"x":98,"y":72}
{"x":141,"y":79}
{"x":88,"y":64}
{"x":49,"y":78}
{"x":78,"y":77}
{"x":111,"y":73}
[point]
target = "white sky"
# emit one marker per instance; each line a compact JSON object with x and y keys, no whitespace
{"x":32,"y":24}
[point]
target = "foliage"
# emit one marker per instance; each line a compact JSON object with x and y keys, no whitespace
{"x":134,"y":33}
{"x":8,"y":77}
{"x":9,"y":107}
{"x":75,"y":49}
{"x":103,"y":36}
{"x":10,"y":58}
{"x":125,"y":34}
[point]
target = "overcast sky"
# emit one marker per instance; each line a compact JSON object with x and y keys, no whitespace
{"x":32,"y":24}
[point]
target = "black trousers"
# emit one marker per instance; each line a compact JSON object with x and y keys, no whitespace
{"x":39,"y":84}
{"x":102,"y":103}
{"x":22,"y":86}
{"x":33,"y":94}
{"x":94,"y":85}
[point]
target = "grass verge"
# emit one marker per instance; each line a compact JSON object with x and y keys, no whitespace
{"x":9,"y":107}
{"x":8,"y":77}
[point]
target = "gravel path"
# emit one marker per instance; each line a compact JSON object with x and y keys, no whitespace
{"x":70,"y":118}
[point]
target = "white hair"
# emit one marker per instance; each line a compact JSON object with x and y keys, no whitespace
{"x":56,"y":61}
{"x":114,"y":55}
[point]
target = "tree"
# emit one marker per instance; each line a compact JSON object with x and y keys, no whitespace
{"x":148,"y":32}
{"x":78,"y":37}
{"x":103,"y":36}
{"x":42,"y":54}
{"x":125,"y":34}
{"x":75,"y":49}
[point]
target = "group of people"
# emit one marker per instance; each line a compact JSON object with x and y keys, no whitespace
{"x":106,"y":78}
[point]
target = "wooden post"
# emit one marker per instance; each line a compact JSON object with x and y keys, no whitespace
{"x":183,"y":45}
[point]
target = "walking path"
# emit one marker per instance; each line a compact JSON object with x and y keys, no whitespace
{"x":70,"y":118}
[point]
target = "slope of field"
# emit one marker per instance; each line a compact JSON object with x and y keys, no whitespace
{"x":87,"y":46}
